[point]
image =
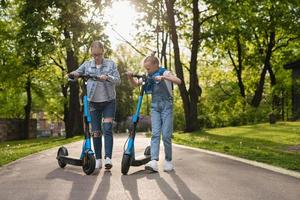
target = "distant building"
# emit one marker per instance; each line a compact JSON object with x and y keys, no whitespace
{"x":46,"y":128}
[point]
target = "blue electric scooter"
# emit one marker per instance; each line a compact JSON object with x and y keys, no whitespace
{"x":129,"y":158}
{"x":87,"y":157}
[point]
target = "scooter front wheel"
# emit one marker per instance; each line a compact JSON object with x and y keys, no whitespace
{"x":88,"y":163}
{"x":125,"y":163}
{"x":62,"y":151}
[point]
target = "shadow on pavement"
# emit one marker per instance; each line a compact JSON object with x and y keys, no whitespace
{"x":82,"y":184}
{"x":130,"y":184}
{"x":184,"y":190}
{"x":103,"y":187}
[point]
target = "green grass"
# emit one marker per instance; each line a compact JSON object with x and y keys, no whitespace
{"x":13,"y":150}
{"x":278,"y":144}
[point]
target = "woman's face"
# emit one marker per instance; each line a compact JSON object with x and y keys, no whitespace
{"x":150,"y":67}
{"x":97,"y":54}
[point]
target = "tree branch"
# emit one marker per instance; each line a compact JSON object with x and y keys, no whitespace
{"x":128,"y":42}
{"x":258,"y":42}
{"x":232,"y":60}
{"x":286,"y":43}
{"x":208,"y":18}
{"x":223,"y":90}
{"x":58,"y":64}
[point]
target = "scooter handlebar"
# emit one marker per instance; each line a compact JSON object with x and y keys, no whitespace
{"x":72,"y":77}
{"x":139,"y":76}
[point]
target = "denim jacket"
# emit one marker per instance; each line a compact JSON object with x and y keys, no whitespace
{"x":105,"y":88}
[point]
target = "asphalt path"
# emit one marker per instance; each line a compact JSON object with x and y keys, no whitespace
{"x":197,"y":175}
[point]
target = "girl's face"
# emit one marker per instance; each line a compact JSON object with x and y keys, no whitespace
{"x":97,"y":54}
{"x":150,"y":67}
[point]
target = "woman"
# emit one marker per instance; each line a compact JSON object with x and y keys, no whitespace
{"x":102,"y":100}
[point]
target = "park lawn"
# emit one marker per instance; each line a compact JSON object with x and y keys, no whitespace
{"x":13,"y":150}
{"x":278,"y":144}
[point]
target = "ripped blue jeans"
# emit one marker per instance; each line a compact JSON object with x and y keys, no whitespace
{"x":99,"y":110}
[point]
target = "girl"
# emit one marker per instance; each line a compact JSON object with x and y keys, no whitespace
{"x":160,"y":86}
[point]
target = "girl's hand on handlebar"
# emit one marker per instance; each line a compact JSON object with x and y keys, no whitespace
{"x":159,"y":78}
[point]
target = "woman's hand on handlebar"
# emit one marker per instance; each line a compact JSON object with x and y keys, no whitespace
{"x":73,"y":75}
{"x":103,"y":77}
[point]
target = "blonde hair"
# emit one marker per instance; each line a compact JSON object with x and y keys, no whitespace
{"x":97,"y":44}
{"x":152,"y":59}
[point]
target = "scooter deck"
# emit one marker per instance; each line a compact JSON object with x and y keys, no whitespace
{"x":140,"y":160}
{"x":70,"y":161}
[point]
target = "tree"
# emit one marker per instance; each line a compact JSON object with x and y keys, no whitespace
{"x":66,"y":25}
{"x":73,"y":32}
{"x":11,"y":98}
{"x":33,"y":44}
{"x":153,"y":29}
{"x":191,"y":96}
{"x":252,"y":32}
{"x":182,"y":23}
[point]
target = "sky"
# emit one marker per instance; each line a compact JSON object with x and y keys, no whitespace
{"x":121,"y":17}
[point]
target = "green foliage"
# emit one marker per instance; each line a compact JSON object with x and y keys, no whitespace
{"x":222,"y":105}
{"x":178,"y":115}
{"x":12,"y":101}
{"x":32,"y":45}
{"x":33,"y":39}
{"x":47,"y":93}
{"x":251,"y":22}
{"x":124,"y":96}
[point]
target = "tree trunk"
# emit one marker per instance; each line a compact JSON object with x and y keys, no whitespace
{"x":267,"y":66}
{"x":189,"y":98}
{"x":238,"y":68}
{"x":259,"y":89}
{"x":75,"y":118}
{"x":163,"y":58}
{"x":178,"y":65}
{"x":27,"y":109}
{"x":194,"y":89}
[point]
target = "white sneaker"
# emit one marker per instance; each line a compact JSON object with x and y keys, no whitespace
{"x":152,"y":166}
{"x":98,"y":164}
{"x":168,"y":166}
{"x":108,"y":163}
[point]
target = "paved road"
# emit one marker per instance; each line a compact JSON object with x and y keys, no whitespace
{"x":197,"y":176}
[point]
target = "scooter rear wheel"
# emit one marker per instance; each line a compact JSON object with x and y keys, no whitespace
{"x":88,"y":163}
{"x":62,"y":151}
{"x":125,"y":163}
{"x":147,"y":151}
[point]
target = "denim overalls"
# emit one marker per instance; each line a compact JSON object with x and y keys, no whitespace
{"x":161,"y":119}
